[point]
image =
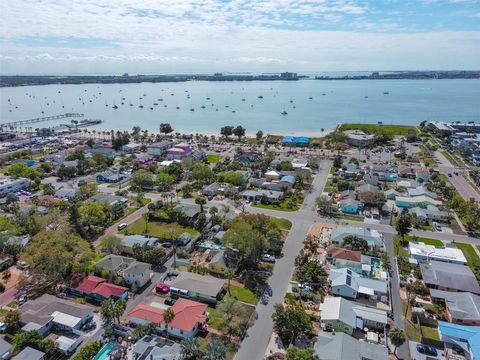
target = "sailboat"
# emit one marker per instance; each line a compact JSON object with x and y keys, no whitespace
{"x":140,"y":106}
{"x":284,"y":112}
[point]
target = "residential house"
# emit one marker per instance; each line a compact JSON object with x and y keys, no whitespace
{"x":465,"y":337}
{"x":212,"y":189}
{"x":391,"y":194}
{"x":49,"y":312}
{"x":367,"y":192}
{"x":460,"y":307}
{"x":98,"y":289}
{"x":197,"y":287}
{"x":371,"y":179}
{"x":423,"y":252}
{"x":11,"y":185}
{"x":418,"y":173}
{"x":248,"y":157}
{"x":272,"y":175}
{"x":29,"y":353}
{"x":5,"y":349}
{"x":158,"y":149}
{"x":156,"y":348}
{"x":224,"y":259}
{"x":131,"y":147}
{"x":134,"y":273}
{"x":350,"y":206}
{"x":373,"y":237}
{"x":348,"y":194}
{"x":420,"y":191}
{"x":184,"y":239}
{"x":417,"y":201}
{"x":129,"y":241}
{"x":341,"y":257}
{"x":105,"y":149}
{"x":341,"y":346}
{"x":346,"y":283}
{"x":300,"y":164}
{"x":191,"y":211}
{"x":66,"y":193}
{"x":407,"y":184}
{"x":449,"y":277}
{"x":431,"y":213}
{"x":112,"y":175}
{"x":190,"y":317}
{"x":144,"y":160}
{"x":346,"y":316}
{"x":257,"y":195}
{"x":110,"y":199}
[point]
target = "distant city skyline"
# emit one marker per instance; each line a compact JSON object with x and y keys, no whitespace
{"x":187,"y":36}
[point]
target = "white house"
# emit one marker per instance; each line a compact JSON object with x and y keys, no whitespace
{"x":421,"y":251}
{"x":11,"y":185}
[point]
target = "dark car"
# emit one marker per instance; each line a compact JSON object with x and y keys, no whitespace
{"x":167,"y":244}
{"x":427,"y":350}
{"x":169,"y":301}
{"x":449,"y":175}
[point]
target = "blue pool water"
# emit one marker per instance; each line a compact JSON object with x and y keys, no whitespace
{"x":104,"y":351}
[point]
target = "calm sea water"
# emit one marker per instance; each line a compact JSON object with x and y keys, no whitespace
{"x":332,"y":102}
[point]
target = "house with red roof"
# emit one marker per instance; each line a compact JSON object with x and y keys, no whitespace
{"x":98,"y":289}
{"x":190,"y":317}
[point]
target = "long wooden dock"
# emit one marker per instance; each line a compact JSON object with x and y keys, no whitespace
{"x":41,"y":119}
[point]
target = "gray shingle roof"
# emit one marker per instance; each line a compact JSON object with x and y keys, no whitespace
{"x":452,"y":276}
{"x":207,"y":285}
{"x":462,"y":305}
{"x":341,"y":346}
{"x":29,"y":354}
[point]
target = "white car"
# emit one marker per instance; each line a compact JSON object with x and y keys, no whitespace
{"x":268,"y":258}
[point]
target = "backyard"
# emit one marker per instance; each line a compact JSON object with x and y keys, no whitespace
{"x":213,"y":158}
{"x":156,"y":229}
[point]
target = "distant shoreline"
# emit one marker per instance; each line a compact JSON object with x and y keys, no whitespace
{"x":36,"y":80}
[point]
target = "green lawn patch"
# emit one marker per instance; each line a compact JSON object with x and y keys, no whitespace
{"x":469,"y":252}
{"x":401,"y":130}
{"x":427,"y":241}
{"x":13,"y":304}
{"x":285,"y":205}
{"x":351,"y":217}
{"x":243,"y":295}
{"x":399,"y":250}
{"x":156,"y":229}
{"x":412,"y":333}
{"x":290,"y":298}
{"x":213,"y":158}
{"x":430,"y":332}
{"x":214,"y":318}
{"x":96,"y":258}
{"x":450,"y":158}
{"x":282,"y":224}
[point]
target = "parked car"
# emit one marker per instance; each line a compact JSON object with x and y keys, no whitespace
{"x":268,"y":258}
{"x":22,"y":299}
{"x":167,"y":244}
{"x":121,"y":226}
{"x":162,"y":288}
{"x":169,"y":301}
{"x":437,"y":227}
{"x":449,"y":175}
{"x":3,"y":327}
{"x":427,"y":350}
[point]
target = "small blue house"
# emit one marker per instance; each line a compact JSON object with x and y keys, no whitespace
{"x":184,"y":239}
{"x":350,"y":206}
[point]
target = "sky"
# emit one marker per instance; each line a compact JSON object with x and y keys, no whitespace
{"x":188,"y":36}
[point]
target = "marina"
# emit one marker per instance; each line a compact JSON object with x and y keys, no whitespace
{"x":271,"y":106}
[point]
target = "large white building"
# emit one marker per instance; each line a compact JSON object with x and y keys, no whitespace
{"x":9,"y":185}
{"x":421,"y":251}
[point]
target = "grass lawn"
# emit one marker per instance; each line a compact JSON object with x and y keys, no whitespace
{"x":329,"y":188}
{"x":290,"y":298}
{"x":399,"y":250}
{"x":283,"y":206}
{"x":469,"y":252}
{"x":214,"y":318}
{"x":427,"y":241}
{"x":282,"y":224}
{"x":3,"y":312}
{"x":412,"y":333}
{"x":95,"y":259}
{"x":455,"y":227}
{"x":401,"y":130}
{"x":213,"y":158}
{"x":430,"y":332}
{"x":160,"y":230}
{"x":243,"y":294}
{"x":351,"y":217}
{"x":450,"y":158}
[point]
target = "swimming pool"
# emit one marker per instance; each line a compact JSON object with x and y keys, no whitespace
{"x":104,"y":351}
{"x":376,"y":263}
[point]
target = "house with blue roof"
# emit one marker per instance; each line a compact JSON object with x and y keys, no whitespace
{"x":465,"y":337}
{"x":350,"y":206}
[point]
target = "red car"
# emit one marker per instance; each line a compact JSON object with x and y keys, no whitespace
{"x":162,"y":288}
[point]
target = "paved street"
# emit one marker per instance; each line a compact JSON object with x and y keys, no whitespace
{"x":463,"y":186}
{"x":255,"y":344}
{"x":398,"y":319}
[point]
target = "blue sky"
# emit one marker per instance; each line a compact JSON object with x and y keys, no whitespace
{"x":167,"y":36}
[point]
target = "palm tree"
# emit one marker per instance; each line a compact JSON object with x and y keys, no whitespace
{"x":397,"y":338}
{"x":168,"y":316}
{"x":201,"y":201}
{"x":229,"y":274}
{"x":191,"y":349}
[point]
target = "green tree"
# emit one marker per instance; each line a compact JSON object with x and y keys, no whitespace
{"x":202,"y":174}
{"x":215,"y":350}
{"x":141,"y":179}
{"x":404,"y":223}
{"x":22,"y":339}
{"x":337,"y":162}
{"x":229,"y":274}
{"x":164,"y":181}
{"x":259,"y":135}
{"x":168,"y":316}
{"x":231,"y":310}
{"x":144,"y":329}
{"x":239,"y":132}
{"x":111,"y":244}
{"x":23,"y":170}
{"x":92,"y":217}
{"x":397,"y":338}
{"x":88,"y":351}
{"x":313,"y":274}
{"x":166,"y":128}
{"x":226,"y":131}
{"x":324,"y":206}
{"x":290,"y":322}
{"x":12,"y":321}
{"x":295,"y":353}
{"x":201,"y":200}
{"x":191,"y":349}
{"x":354,"y":242}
